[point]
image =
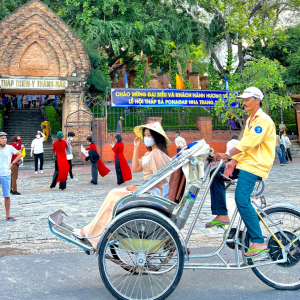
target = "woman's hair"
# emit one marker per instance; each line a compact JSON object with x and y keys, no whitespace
{"x":159,"y":140}
{"x":71,"y":133}
{"x":90,"y":139}
{"x":14,"y":139}
{"x":37,"y":133}
{"x":119,"y":138}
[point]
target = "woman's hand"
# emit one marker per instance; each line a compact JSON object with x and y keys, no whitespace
{"x":31,"y":155}
{"x":137,"y":142}
{"x":132,"y":188}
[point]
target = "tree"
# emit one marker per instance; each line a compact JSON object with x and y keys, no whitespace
{"x":237,"y":23}
{"x":8,"y":6}
{"x":285,"y":48}
{"x":264,"y":74}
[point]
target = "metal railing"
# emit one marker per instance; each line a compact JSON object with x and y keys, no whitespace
{"x":173,"y":118}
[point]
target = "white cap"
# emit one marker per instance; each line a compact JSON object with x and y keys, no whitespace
{"x":122,"y":118}
{"x":252,"y":92}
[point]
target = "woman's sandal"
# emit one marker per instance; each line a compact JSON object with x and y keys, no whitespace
{"x":77,"y":233}
{"x":215,"y":224}
{"x":10,"y":219}
{"x":260,"y":251}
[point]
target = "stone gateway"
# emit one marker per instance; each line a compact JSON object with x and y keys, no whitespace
{"x":40,"y":54}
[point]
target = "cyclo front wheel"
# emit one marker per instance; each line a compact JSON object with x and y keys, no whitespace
{"x":147,"y":258}
{"x":281,"y":276}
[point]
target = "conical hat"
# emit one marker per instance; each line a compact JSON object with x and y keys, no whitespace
{"x":138,"y":130}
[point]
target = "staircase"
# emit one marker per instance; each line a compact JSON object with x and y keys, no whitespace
{"x":295,"y":149}
{"x":26,"y":123}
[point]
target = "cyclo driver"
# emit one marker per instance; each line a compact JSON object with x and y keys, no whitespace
{"x":253,"y":155}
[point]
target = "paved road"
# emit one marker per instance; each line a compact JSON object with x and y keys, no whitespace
{"x":57,"y":270}
{"x":81,"y":200}
{"x":75,"y":276}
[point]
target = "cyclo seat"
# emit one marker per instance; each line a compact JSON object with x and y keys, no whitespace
{"x":192,"y":161}
{"x":159,"y":203}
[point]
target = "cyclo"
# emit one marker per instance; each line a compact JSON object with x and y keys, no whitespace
{"x":142,"y":252}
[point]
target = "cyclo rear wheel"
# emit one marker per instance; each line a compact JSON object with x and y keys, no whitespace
{"x":147,"y":258}
{"x":281,"y":276}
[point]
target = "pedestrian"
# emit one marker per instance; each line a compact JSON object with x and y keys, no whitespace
{"x":231,"y":144}
{"x":122,"y":168}
{"x":253,"y":156}
{"x":34,"y":101}
{"x":69,"y":153}
{"x":119,"y":125}
{"x":29,"y":98}
{"x":288,"y":154}
{"x":180,"y":142}
{"x":17,"y":144}
{"x":283,"y":148}
{"x":40,"y":101}
{"x":155,"y":158}
{"x":232,"y":124}
{"x":97,"y":164}
{"x":277,"y":149}
{"x":7,"y":106}
{"x":61,"y":163}
{"x":45,"y":126}
{"x":19,"y":101}
{"x":282,"y":128}
{"x":6,"y":153}
{"x":37,"y":150}
{"x":24,"y":102}
{"x":14,"y":101}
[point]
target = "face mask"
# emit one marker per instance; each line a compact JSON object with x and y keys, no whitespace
{"x":38,"y":136}
{"x":176,"y":136}
{"x":148,"y":141}
{"x":71,"y":139}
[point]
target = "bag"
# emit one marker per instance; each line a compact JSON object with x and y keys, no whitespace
{"x":23,"y":152}
{"x":288,"y":143}
{"x":20,"y":162}
{"x":69,"y":156}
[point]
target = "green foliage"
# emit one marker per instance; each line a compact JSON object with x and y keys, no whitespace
{"x":1,"y":119}
{"x":264,"y":74}
{"x":98,"y":80}
{"x":214,"y":77}
{"x":284,"y":47}
{"x":53,"y":118}
{"x":291,"y":128}
{"x":236,"y":22}
{"x":140,"y":68}
{"x":8,"y":6}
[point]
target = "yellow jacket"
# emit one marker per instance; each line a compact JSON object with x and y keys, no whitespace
{"x":46,"y":124}
{"x":257,"y":145}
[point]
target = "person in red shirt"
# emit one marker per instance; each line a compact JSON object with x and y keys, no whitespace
{"x":122,"y":168}
{"x":17,"y":144}
{"x":61,"y":163}
{"x":97,"y":164}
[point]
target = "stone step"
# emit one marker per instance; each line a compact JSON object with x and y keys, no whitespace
{"x":295,"y":149}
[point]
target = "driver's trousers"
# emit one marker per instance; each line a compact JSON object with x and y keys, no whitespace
{"x":244,"y":188}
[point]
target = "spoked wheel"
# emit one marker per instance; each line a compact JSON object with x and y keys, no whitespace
{"x":141,"y":257}
{"x":282,"y":276}
{"x":258,"y":189}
